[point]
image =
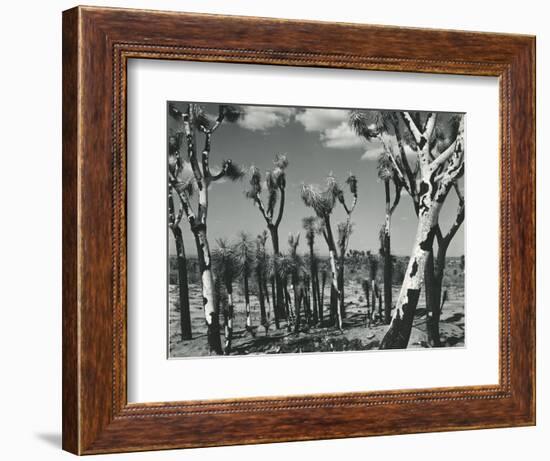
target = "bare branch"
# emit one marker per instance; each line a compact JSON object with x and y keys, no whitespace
{"x":430,"y":126}
{"x":409,"y":123}
{"x":258,"y":201}
{"x":191,"y":148}
{"x":444,"y":156}
{"x":459,"y":217}
{"x":411,"y":185}
{"x":206,"y":154}
{"x":184,"y":201}
{"x":396,"y":198}
{"x":281,"y":206}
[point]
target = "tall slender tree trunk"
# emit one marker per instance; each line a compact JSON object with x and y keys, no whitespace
{"x":273,"y":297}
{"x":366,"y":288}
{"x":434,"y":302}
{"x":185,"y":313}
{"x":322,"y":297}
{"x":313,"y":271}
{"x":261,"y":297}
{"x":388,"y":266}
{"x":288,"y":310}
{"x":307,"y":305}
{"x":297,"y":304}
{"x":341,"y":307}
{"x":314,"y":301}
{"x":266,"y":294}
{"x":228,"y":321}
{"x":373,"y":291}
{"x":279,"y":301}
{"x":334,"y":296}
{"x":397,"y":336}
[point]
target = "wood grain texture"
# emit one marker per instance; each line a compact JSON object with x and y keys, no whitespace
{"x":97,"y":43}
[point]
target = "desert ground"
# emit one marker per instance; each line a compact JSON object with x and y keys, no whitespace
{"x":357,"y":333}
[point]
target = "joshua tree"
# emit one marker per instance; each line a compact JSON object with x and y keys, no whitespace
{"x":380,"y":125}
{"x":438,"y":171}
{"x":261,"y":269}
{"x":174,"y":221}
{"x":228,"y":268}
{"x":245,"y":254}
{"x":310,"y":225}
{"x":194,"y":121}
{"x":323,"y":203}
{"x":434,"y":273}
{"x":275,"y":184}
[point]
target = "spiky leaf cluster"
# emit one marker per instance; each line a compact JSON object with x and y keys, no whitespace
{"x":309,"y":224}
{"x":385,"y":167}
{"x":226,"y":262}
{"x":232,"y":171}
{"x":255,"y":187}
{"x":244,"y":250}
{"x":322,"y":202}
{"x":351,"y":181}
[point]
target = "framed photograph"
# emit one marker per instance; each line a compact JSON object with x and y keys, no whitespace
{"x":265,"y":234}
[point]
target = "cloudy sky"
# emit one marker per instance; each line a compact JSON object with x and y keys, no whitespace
{"x":317,"y":142}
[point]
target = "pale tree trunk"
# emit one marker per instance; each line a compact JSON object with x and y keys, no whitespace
{"x":267,"y":299}
{"x":399,"y":332}
{"x":228,"y":322}
{"x":247,"y":306}
{"x":211,"y":315}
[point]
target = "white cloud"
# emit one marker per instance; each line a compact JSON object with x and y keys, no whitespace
{"x":341,"y":137}
{"x":321,"y":119}
{"x":332,"y":125}
{"x":263,"y":118}
{"x":375,"y":148}
{"x":373,"y":151}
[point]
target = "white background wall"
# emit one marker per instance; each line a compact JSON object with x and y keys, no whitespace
{"x":30,"y":231}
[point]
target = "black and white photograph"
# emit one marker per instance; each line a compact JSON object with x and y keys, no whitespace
{"x":312,"y":229}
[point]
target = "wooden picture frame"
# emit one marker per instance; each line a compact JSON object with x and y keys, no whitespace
{"x":97,"y":43}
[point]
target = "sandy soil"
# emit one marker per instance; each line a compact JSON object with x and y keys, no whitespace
{"x":357,"y":335}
